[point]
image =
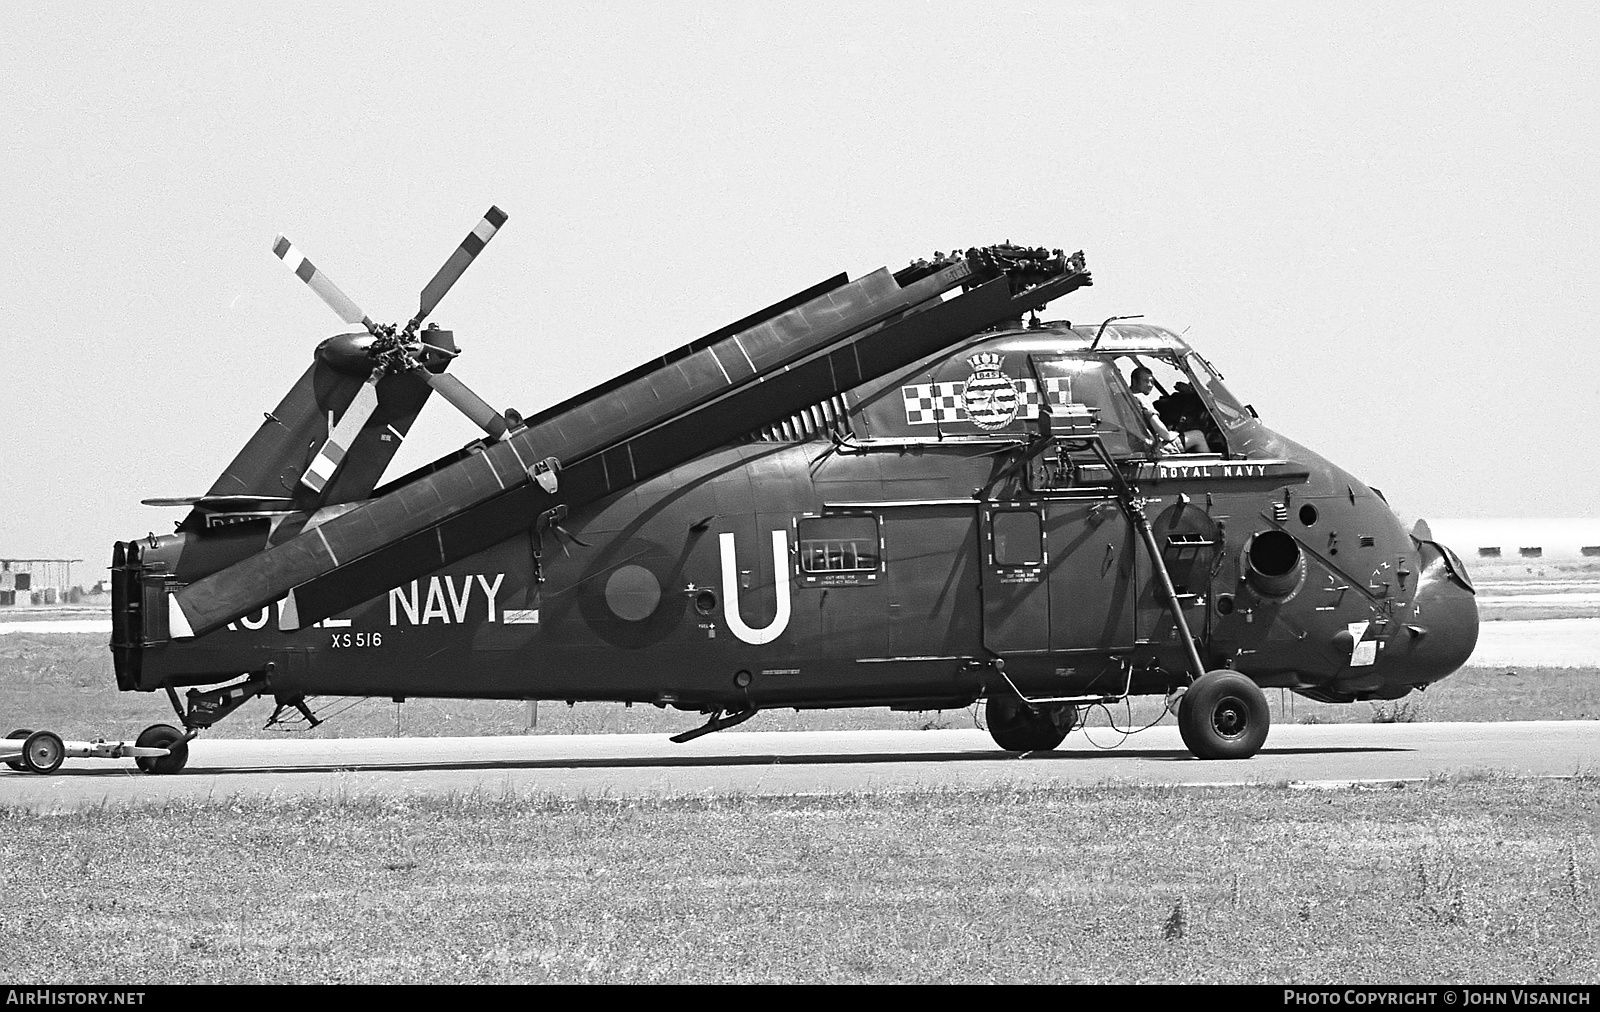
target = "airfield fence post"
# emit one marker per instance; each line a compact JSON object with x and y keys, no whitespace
{"x":531,"y":719}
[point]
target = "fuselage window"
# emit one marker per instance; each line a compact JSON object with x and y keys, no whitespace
{"x":1018,"y":538}
{"x":840,"y":544}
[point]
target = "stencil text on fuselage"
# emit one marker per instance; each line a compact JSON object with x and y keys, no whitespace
{"x":448,"y":600}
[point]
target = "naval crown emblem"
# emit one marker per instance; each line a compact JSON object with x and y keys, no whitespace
{"x":990,"y":396}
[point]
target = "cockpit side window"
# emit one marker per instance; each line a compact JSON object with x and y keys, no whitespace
{"x":1171,"y":392}
{"x":1087,"y":395}
{"x":1226,"y":407}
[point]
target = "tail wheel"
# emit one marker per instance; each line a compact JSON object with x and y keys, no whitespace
{"x":1020,"y":727}
{"x":43,"y":752}
{"x":18,"y":735}
{"x":1224,"y":715}
{"x":163,"y":736}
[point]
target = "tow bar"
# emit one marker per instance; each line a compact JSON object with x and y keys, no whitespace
{"x":161,"y":748}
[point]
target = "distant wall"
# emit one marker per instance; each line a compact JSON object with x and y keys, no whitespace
{"x":1487,"y":543}
{"x":50,"y":596}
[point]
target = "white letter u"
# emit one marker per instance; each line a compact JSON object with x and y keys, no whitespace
{"x":730,"y":590}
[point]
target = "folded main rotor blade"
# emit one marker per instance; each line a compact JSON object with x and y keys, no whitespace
{"x":319,"y":282}
{"x":589,"y":427}
{"x":338,"y":442}
{"x":465,"y":401}
{"x":652,"y":452}
{"x":457,"y":264}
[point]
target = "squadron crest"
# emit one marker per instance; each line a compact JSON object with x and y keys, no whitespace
{"x":990,"y":397}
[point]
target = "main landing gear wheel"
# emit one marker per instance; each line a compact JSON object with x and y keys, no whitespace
{"x":43,"y":752}
{"x":17,"y":735}
{"x":163,"y":736}
{"x":1019,"y":727}
{"x":1224,"y":715}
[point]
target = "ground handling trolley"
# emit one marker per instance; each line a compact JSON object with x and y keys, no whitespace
{"x":160,"y":748}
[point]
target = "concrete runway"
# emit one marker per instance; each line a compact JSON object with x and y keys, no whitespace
{"x":1557,"y":642}
{"x":780,"y":763}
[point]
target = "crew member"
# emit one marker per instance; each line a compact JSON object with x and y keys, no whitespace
{"x":1143,"y":384}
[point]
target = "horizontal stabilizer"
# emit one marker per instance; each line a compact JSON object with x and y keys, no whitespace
{"x":227,"y":503}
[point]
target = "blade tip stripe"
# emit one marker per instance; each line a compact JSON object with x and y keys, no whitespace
{"x":324,"y":539}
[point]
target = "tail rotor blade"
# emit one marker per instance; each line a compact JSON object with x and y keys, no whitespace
{"x":457,"y":264}
{"x":338,"y":443}
{"x":319,"y":282}
{"x":465,"y":401}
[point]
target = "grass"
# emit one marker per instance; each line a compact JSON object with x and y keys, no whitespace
{"x":1482,"y":879}
{"x":1474,"y":878}
{"x":64,"y":682}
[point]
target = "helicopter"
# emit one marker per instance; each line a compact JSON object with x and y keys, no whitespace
{"x":907,"y":490}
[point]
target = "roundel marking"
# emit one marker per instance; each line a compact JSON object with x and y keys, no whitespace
{"x":632,"y":593}
{"x":625,"y":595}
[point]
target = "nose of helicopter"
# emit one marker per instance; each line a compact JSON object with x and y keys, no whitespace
{"x":1441,"y":626}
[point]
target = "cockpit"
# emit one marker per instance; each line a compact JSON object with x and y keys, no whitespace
{"x":1177,"y":417}
{"x":1074,"y":383}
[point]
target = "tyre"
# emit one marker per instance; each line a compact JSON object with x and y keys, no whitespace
{"x":162,"y":736}
{"x":1224,"y":715}
{"x":1018,"y":727}
{"x":18,"y":735}
{"x":43,"y":752}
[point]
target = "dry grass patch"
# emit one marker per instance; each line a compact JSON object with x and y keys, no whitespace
{"x":1478,"y":879}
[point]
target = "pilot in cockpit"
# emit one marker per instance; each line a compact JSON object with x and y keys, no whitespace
{"x":1143,"y":384}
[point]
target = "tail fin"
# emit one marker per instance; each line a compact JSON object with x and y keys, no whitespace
{"x":271,"y":463}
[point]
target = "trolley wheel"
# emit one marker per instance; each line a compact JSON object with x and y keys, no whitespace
{"x":1224,"y":715}
{"x":17,"y":735}
{"x":43,"y":752}
{"x":1017,"y":727}
{"x":162,"y":736}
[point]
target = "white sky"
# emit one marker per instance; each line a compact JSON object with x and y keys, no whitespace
{"x":1378,"y":220}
